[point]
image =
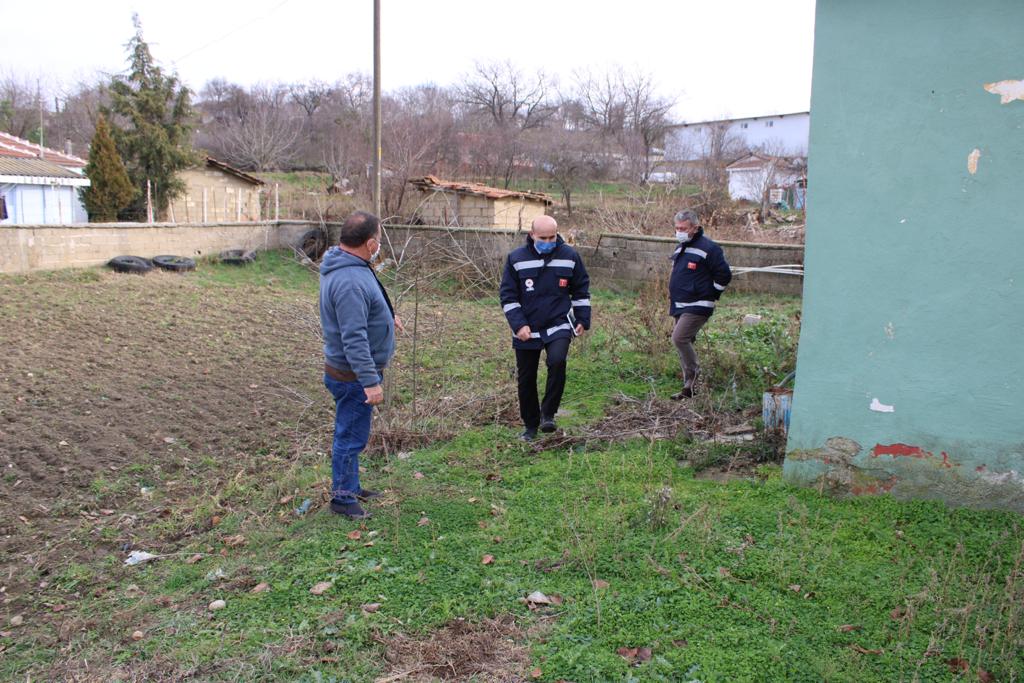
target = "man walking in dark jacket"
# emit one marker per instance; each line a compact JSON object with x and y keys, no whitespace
{"x":359,"y":339}
{"x":699,"y":276}
{"x":545,"y":294}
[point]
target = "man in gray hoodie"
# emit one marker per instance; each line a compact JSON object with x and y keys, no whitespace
{"x":358,"y":321}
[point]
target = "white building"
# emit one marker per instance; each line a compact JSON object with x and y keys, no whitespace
{"x":39,"y":185}
{"x":756,"y":175}
{"x":779,"y":134}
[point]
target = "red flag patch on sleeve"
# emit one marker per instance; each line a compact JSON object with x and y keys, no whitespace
{"x":692,"y":265}
{"x":563,"y":282}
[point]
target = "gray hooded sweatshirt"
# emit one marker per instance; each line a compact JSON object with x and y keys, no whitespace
{"x":356,"y":316}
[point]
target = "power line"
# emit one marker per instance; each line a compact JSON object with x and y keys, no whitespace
{"x":232,"y":31}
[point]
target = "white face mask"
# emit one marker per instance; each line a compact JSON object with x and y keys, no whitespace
{"x":682,"y":235}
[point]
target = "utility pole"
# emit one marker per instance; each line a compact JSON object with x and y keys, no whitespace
{"x":376,"y":108}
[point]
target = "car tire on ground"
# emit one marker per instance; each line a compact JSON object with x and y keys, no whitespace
{"x":178,"y":264}
{"x":237,"y":257}
{"x":313,"y":243}
{"x":130,"y":264}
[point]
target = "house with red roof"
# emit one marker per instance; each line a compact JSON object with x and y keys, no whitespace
{"x":38,"y":185}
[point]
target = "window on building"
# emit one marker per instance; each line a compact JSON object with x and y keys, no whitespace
{"x":769,"y":124}
{"x":3,"y":208}
{"x":743,"y":125}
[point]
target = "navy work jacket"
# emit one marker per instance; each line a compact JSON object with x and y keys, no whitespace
{"x":540,"y":290}
{"x":699,"y":276}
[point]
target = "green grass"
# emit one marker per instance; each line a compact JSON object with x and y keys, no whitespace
{"x":272,"y":269}
{"x":750,"y":580}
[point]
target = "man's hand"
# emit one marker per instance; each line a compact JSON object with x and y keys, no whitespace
{"x":374,"y":394}
{"x":524,"y":333}
{"x":398,"y":325}
{"x":579,"y":329}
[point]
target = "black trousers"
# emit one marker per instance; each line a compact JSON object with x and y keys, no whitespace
{"x":527,"y":362}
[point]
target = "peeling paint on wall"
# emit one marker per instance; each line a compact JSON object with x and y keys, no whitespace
{"x":1008,"y":91}
{"x":972,"y":161}
{"x":890,"y":331}
{"x":880,"y":407}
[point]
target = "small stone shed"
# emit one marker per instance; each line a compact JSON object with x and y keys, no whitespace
{"x":472,"y":205}
{"x":217,"y":193}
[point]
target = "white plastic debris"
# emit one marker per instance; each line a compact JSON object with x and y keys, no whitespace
{"x":139,"y":557}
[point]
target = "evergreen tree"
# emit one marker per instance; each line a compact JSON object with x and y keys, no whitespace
{"x":153,"y":127}
{"x":111,"y":189}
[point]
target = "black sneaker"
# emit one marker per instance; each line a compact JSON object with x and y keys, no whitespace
{"x":350,"y":510}
{"x":547,"y":425}
{"x":528,"y":434}
{"x":367,"y":494}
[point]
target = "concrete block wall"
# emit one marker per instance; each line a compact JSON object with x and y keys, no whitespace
{"x":224,"y":193}
{"x":26,"y":248}
{"x":625,"y":261}
{"x":517,"y":213}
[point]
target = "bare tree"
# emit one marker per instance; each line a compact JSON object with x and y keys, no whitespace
{"x":255,"y":130}
{"x":508,"y":103}
{"x":20,"y":104}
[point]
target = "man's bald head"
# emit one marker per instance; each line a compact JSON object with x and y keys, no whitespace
{"x":544,"y":228}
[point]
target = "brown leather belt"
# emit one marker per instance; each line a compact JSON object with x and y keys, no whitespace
{"x":340,"y":375}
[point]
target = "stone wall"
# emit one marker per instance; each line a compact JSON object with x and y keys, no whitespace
{"x":517,"y":212}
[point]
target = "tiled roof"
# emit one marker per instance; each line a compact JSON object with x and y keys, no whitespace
{"x":756,"y":161}
{"x":210,"y":161}
{"x":13,"y":146}
{"x":431,"y":183}
{"x":38,"y":168}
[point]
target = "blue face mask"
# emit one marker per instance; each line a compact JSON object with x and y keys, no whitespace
{"x":544,"y":247}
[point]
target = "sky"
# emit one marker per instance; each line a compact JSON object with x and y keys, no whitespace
{"x":718,"y":58}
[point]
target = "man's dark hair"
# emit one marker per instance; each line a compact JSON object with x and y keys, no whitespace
{"x":359,"y":228}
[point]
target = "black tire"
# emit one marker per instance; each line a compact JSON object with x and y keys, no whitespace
{"x":237,"y":257}
{"x":178,"y":264}
{"x":313,"y":243}
{"x":130,"y":264}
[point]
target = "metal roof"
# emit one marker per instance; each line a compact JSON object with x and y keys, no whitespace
{"x":34,"y":167}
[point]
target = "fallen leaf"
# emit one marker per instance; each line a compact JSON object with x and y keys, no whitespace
{"x":215,"y":520}
{"x":627,"y":652}
{"x":472,"y":500}
{"x":864,"y":651}
{"x":846,"y":628}
{"x":354,"y":535}
{"x":724,"y":572}
{"x":195,"y":558}
{"x":236,"y":540}
{"x":600,"y":584}
{"x":417,"y":475}
{"x":538,"y":598}
{"x":217,"y":605}
{"x":482,"y":524}
{"x":556,"y":599}
{"x":370,"y":607}
{"x":17,"y":620}
{"x":898,"y":613}
{"x":321,"y":587}
{"x":644,"y":654}
{"x":261,"y":587}
{"x":169,"y":439}
{"x":680,"y":643}
{"x":795,"y":587}
{"x":985,"y":676}
{"x":536,"y":673}
{"x":424,"y":521}
{"x":106,"y":512}
{"x":958,"y":665}
{"x":487,"y":559}
{"x":496,"y":539}
{"x":286,"y":499}
{"x":493,"y":476}
{"x":368,"y":544}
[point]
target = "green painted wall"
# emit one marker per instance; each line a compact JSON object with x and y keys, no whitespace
{"x":914,"y":288}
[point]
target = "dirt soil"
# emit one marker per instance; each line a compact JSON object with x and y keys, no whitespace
{"x":123,"y":395}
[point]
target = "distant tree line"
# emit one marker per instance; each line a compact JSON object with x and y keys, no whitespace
{"x":499,"y":124}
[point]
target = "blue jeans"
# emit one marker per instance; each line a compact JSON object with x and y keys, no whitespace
{"x":351,"y":434}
